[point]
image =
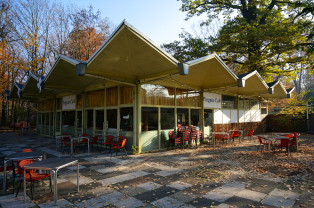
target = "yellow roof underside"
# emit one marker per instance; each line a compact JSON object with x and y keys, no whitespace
{"x":127,"y":56}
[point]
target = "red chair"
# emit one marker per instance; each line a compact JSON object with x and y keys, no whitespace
{"x":262,"y":143}
{"x":236,"y":134}
{"x":94,"y":142}
{"x":108,"y":142}
{"x":119,"y":141}
{"x":288,"y":144}
{"x":250,"y":134}
{"x":179,"y":130}
{"x":32,"y":176}
{"x":66,"y":143}
{"x":120,"y":147}
{"x":173,"y":139}
{"x":185,"y":137}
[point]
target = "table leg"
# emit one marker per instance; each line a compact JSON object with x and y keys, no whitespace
{"x":55,"y":186}
{"x":24,"y":185}
{"x":4,"y":175}
{"x":77,"y":176}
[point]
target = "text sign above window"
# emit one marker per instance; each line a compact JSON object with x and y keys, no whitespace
{"x":212,"y":100}
{"x":69,"y":102}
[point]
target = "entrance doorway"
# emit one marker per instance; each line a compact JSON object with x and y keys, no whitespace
{"x":208,"y":123}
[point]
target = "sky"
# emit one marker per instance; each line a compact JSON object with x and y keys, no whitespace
{"x":159,"y":20}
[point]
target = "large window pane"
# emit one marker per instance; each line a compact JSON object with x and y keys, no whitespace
{"x":149,"y":134}
{"x":149,"y":119}
{"x":229,"y":102}
{"x":195,"y":117}
{"x":126,"y":94}
{"x":112,"y":122}
{"x":167,"y":124}
{"x":100,"y":118}
{"x":183,"y":116}
{"x":157,"y":95}
{"x":126,"y":119}
{"x":112,"y":96}
{"x":89,"y":121}
{"x":254,"y":104}
{"x":112,"y":118}
{"x":68,"y":122}
{"x":188,"y":98}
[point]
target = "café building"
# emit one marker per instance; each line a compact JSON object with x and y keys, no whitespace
{"x":132,"y":87}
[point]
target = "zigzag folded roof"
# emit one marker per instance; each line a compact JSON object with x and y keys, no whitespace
{"x":129,"y":57}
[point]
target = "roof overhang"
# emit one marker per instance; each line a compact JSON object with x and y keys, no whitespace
{"x":276,"y":90}
{"x":63,"y":77}
{"x":206,"y":73}
{"x":250,"y":84}
{"x":129,"y":56}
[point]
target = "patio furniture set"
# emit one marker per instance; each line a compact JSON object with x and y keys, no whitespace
{"x":230,"y":136}
{"x":31,"y":166}
{"x":66,"y":141}
{"x":289,"y":141}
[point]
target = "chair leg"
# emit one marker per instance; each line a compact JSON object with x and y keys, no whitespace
{"x":18,"y":189}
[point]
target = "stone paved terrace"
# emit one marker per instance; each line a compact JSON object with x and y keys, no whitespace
{"x":221,"y":176}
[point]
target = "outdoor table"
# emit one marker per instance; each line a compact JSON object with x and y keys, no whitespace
{"x":78,"y":138}
{"x":19,"y":156}
{"x":54,"y":165}
{"x":60,"y":138}
{"x":240,"y":132}
{"x":219,"y":133}
{"x":272,"y":139}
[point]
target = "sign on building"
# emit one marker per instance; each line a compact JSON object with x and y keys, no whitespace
{"x":212,"y":100}
{"x":69,"y":102}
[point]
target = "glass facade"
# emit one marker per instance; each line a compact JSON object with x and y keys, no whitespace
{"x":149,"y":136}
{"x":183,"y":116}
{"x":167,"y":123}
{"x":111,"y":123}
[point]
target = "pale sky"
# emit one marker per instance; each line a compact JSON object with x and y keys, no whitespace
{"x":160,"y":20}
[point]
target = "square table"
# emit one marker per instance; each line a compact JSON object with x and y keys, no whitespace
{"x":19,"y":156}
{"x":52,"y":165}
{"x":78,"y":138}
